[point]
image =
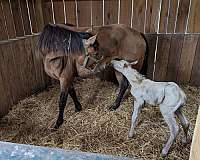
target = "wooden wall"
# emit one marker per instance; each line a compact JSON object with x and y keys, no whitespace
{"x":21,"y":73}
{"x":172,"y":29}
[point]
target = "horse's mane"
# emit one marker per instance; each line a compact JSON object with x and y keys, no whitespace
{"x":55,"y":38}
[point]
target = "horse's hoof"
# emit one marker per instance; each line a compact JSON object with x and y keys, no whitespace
{"x":164,"y":153}
{"x":186,"y":141}
{"x":113,"y":107}
{"x":78,"y":108}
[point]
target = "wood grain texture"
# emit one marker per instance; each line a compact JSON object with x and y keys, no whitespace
{"x":84,"y":13}
{"x":59,"y":11}
{"x":97,"y":13}
{"x":174,"y":57}
{"x":31,"y":6}
{"x":17,"y":17}
{"x":111,"y":12}
{"x":162,"y":56}
{"x":139,"y":15}
{"x":182,"y":16}
{"x":194,"y":79}
{"x":172,"y":16}
{"x":9,"y":19}
{"x":39,"y":14}
{"x":3,"y":30}
{"x":25,"y":17}
{"x":151,"y":39}
{"x":70,"y":12}
{"x":153,"y":10}
{"x":125,"y":12}
{"x":47,"y":12}
{"x":164,"y":16}
{"x":194,"y":18}
{"x":187,"y":58}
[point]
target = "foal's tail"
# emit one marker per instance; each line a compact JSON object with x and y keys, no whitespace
{"x":145,"y":63}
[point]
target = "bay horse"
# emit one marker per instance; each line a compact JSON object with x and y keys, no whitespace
{"x":65,"y":53}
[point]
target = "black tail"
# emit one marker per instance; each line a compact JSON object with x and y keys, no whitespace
{"x":145,"y":63}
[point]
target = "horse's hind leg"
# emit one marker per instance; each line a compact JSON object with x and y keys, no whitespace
{"x":174,"y":129}
{"x":184,"y":123}
{"x":123,"y":85}
{"x":62,"y":103}
{"x":77,"y":104}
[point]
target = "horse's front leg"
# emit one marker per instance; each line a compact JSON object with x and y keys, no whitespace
{"x":123,"y":85}
{"x":77,"y":104}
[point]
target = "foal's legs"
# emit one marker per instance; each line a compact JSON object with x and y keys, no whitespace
{"x":184,"y":123}
{"x":137,"y":108}
{"x":174,"y":129}
{"x":123,"y":85}
{"x":77,"y":104}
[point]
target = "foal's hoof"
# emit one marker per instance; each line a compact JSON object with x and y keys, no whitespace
{"x":186,"y":141}
{"x":164,"y":153}
{"x":78,"y":108}
{"x":113,"y":107}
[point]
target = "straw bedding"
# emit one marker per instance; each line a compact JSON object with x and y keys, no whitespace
{"x":95,"y":128}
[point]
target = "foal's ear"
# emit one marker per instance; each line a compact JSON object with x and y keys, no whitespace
{"x":133,"y":63}
{"x":91,"y":40}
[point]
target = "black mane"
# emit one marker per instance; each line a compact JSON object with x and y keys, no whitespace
{"x":55,"y":38}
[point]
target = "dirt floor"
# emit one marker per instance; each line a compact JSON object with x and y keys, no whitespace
{"x":95,"y":128}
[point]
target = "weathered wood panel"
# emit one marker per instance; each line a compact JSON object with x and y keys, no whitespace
{"x":194,"y":79}
{"x":71,"y":11}
{"x":139,"y":15}
{"x":174,"y":57}
{"x":151,"y":39}
{"x":187,"y":58}
{"x":39,"y":14}
{"x":25,"y":17}
{"x":59,"y":11}
{"x":47,"y":12}
{"x":164,"y":16}
{"x":172,"y":16}
{"x":182,"y":16}
{"x":3,"y":30}
{"x":17,"y":17}
{"x":84,"y":13}
{"x":111,"y":12}
{"x":31,"y":6}
{"x":162,"y":56}
{"x":194,"y":18}
{"x":125,"y":12}
{"x":97,"y":13}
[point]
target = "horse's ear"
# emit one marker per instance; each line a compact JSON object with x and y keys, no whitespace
{"x":134,"y":63}
{"x":91,"y":40}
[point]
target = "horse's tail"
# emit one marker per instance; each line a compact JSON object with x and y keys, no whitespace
{"x":145,"y":63}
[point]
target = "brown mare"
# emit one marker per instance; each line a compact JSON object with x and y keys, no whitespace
{"x":64,"y":52}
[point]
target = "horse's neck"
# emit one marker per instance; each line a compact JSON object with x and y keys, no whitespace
{"x":134,"y":79}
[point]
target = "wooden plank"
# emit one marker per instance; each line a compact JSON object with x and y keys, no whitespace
{"x":174,"y":57}
{"x":70,"y":11}
{"x":97,"y":13}
{"x":172,"y":16}
{"x":33,"y":16}
{"x":182,"y":16}
{"x":194,"y":18}
{"x":110,"y":12}
{"x":59,"y":11}
{"x":194,"y":79}
{"x":9,"y":18}
{"x":187,"y":58}
{"x":162,"y":55}
{"x":153,"y":10}
{"x":139,"y":15}
{"x":17,"y":18}
{"x":47,"y":12}
{"x":39,"y":14}
{"x":195,"y":146}
{"x":25,"y":17}
{"x":3,"y":31}
{"x":151,"y":40}
{"x":164,"y":16}
{"x":125,"y":12}
{"x":84,"y":13}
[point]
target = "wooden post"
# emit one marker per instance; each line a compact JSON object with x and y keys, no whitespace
{"x":195,"y":147}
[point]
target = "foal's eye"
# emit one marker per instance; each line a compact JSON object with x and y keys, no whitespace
{"x":125,"y":65}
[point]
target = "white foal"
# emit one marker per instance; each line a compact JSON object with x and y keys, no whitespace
{"x":167,"y":95}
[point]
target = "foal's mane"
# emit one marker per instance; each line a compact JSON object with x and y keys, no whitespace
{"x":55,"y":38}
